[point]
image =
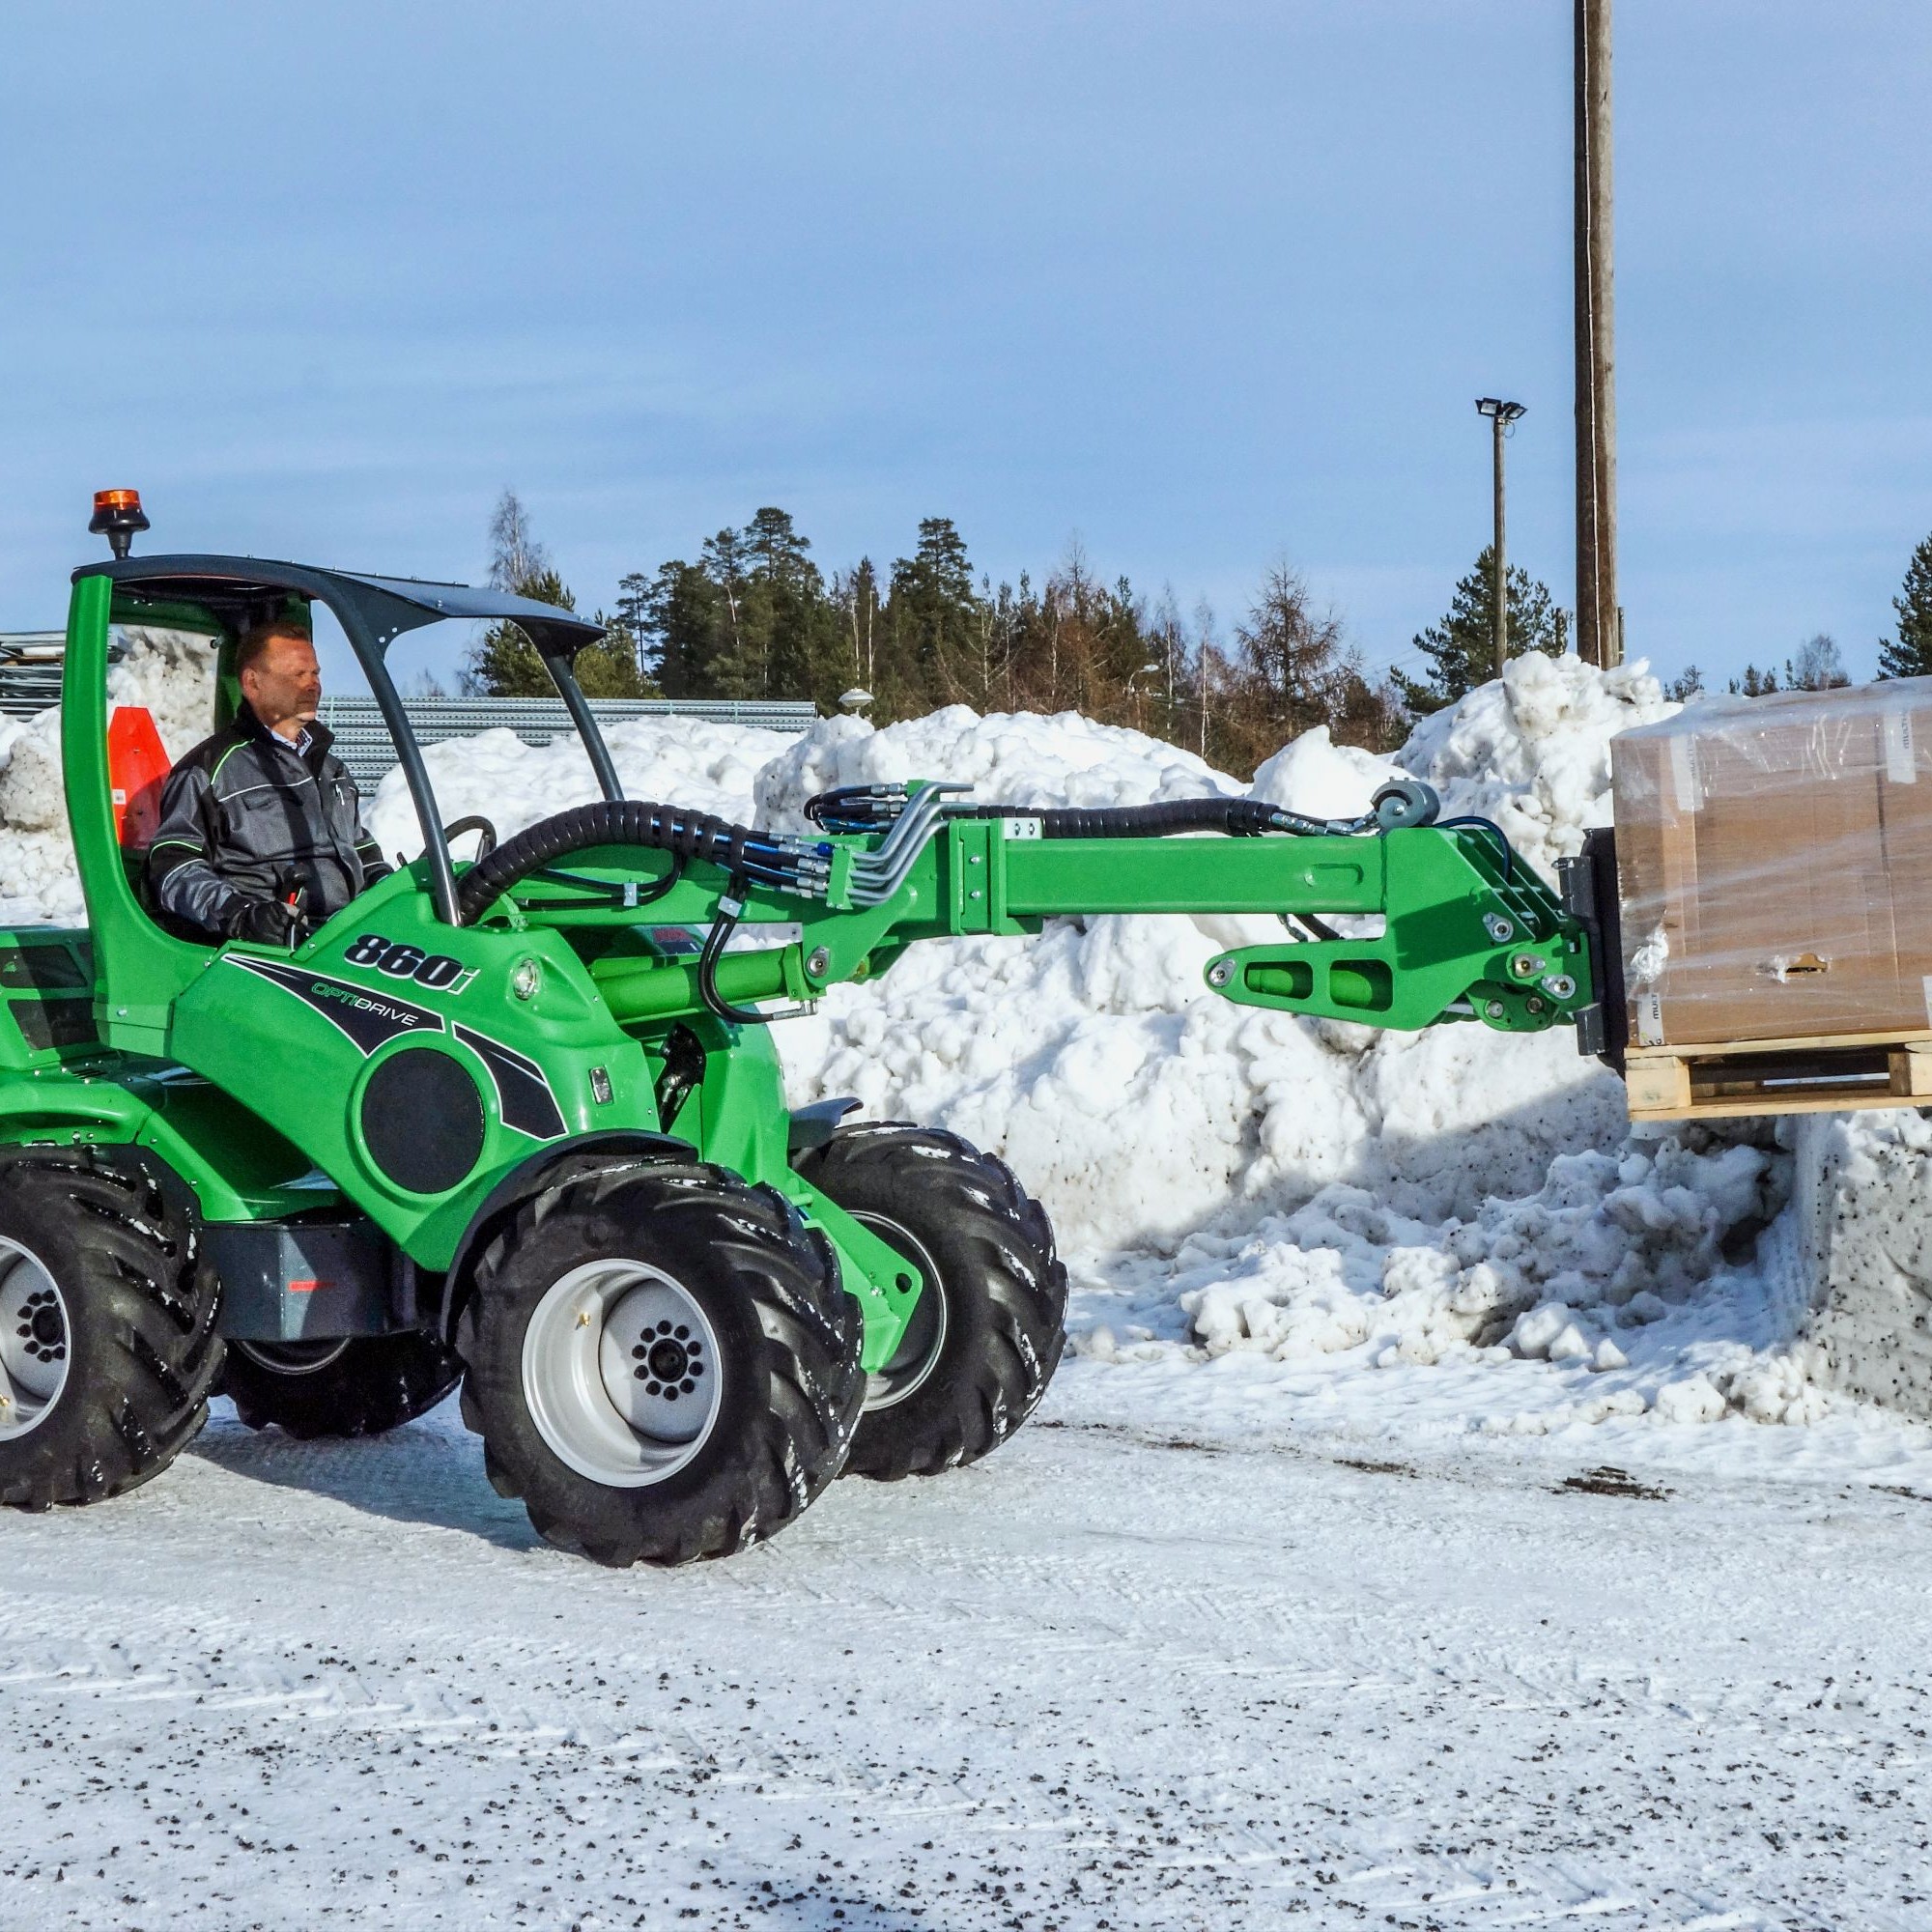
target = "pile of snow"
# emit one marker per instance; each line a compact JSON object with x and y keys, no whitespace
{"x":676,"y":760}
{"x":1532,"y":750}
{"x":170,"y":672}
{"x":1612,"y":1272}
{"x":1236,"y":1189}
{"x":1020,"y":758}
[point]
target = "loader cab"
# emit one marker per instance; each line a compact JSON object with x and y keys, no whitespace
{"x":171,"y":683}
{"x":109,"y":749}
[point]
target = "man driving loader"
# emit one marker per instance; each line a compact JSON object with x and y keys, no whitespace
{"x":261,"y":834}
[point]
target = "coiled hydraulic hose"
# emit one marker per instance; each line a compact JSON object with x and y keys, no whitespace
{"x":684,"y":834}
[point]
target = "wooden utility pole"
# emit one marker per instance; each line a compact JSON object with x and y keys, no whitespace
{"x":1598,"y":625}
{"x":1502,"y":417}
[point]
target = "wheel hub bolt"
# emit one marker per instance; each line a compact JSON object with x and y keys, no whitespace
{"x":41,"y":1327}
{"x":668,"y":1361}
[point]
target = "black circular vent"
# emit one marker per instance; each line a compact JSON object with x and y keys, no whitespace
{"x":422,"y":1119}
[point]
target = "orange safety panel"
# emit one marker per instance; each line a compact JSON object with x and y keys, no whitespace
{"x":136,"y":768}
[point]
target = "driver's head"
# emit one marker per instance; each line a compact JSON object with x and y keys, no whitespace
{"x":275,"y":667}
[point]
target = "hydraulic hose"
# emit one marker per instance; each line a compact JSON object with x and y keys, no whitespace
{"x":598,"y":892}
{"x":1473,"y":823}
{"x":730,"y":909}
{"x":634,"y":821}
{"x":1237,"y":818}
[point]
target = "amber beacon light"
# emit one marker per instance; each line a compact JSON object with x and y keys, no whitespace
{"x":117,"y":515}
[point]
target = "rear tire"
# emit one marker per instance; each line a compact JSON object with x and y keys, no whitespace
{"x":107,"y":1342}
{"x":662,"y":1362}
{"x":978,"y":1360}
{"x":361,"y":1387}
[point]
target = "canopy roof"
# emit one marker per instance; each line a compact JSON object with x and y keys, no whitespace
{"x":239,"y":590}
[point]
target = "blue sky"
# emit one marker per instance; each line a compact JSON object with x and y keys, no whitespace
{"x":1208,"y":285}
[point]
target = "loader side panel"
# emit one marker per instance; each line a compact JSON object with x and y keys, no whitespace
{"x":397,"y":1054}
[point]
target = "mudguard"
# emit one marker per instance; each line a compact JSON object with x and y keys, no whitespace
{"x":546,"y":1168}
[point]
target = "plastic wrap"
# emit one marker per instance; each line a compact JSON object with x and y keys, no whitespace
{"x":1775,"y":866}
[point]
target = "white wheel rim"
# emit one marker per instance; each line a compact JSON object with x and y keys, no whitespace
{"x":898,"y":1378}
{"x":621,"y":1373}
{"x":36,"y":1340}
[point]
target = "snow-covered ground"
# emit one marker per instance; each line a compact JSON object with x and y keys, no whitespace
{"x":1117,"y":1676}
{"x":1282,"y":1609}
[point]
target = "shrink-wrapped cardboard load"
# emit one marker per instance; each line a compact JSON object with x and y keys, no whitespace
{"x":1775,"y":867}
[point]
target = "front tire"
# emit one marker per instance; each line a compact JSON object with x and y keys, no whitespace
{"x":989,"y":1329}
{"x":662,"y":1362}
{"x":366,"y":1386}
{"x":107,"y":1342}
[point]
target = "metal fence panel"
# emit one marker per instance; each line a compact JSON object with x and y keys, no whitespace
{"x":362,"y":739}
{"x":30,"y":671}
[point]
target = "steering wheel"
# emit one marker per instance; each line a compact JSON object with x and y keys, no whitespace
{"x":486,"y":841}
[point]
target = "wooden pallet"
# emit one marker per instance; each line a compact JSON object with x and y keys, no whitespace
{"x":1730,"y":1079}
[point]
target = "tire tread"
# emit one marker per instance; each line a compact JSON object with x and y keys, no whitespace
{"x":807,"y":1358}
{"x":133,"y":1271}
{"x":1019,"y":1280}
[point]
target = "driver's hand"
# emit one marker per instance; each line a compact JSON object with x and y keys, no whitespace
{"x":266,"y":922}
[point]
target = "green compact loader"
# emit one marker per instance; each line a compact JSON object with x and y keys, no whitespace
{"x":516,"y":1123}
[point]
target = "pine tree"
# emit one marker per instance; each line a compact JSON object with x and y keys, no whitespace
{"x":1687,"y":685}
{"x":1461,"y":648}
{"x":608,"y":668}
{"x":1909,"y":654}
{"x":930,"y":617}
{"x":634,"y":614}
{"x":791,"y":622}
{"x":1754,"y":683}
{"x":678,"y":628}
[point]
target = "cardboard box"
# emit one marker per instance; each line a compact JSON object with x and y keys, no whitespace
{"x":1775,"y":866}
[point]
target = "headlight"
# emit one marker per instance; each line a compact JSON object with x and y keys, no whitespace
{"x":527,"y":980}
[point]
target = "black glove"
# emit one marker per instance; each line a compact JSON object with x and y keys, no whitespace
{"x":266,"y":922}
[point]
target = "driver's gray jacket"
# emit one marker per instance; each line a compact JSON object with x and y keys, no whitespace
{"x":248,"y":815}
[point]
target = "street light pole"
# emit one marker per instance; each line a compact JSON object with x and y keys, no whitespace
{"x":1502,"y":416}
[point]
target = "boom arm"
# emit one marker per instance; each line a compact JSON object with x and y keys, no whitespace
{"x":1466,"y":930}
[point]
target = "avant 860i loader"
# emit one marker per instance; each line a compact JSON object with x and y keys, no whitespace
{"x":518,"y":1123}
